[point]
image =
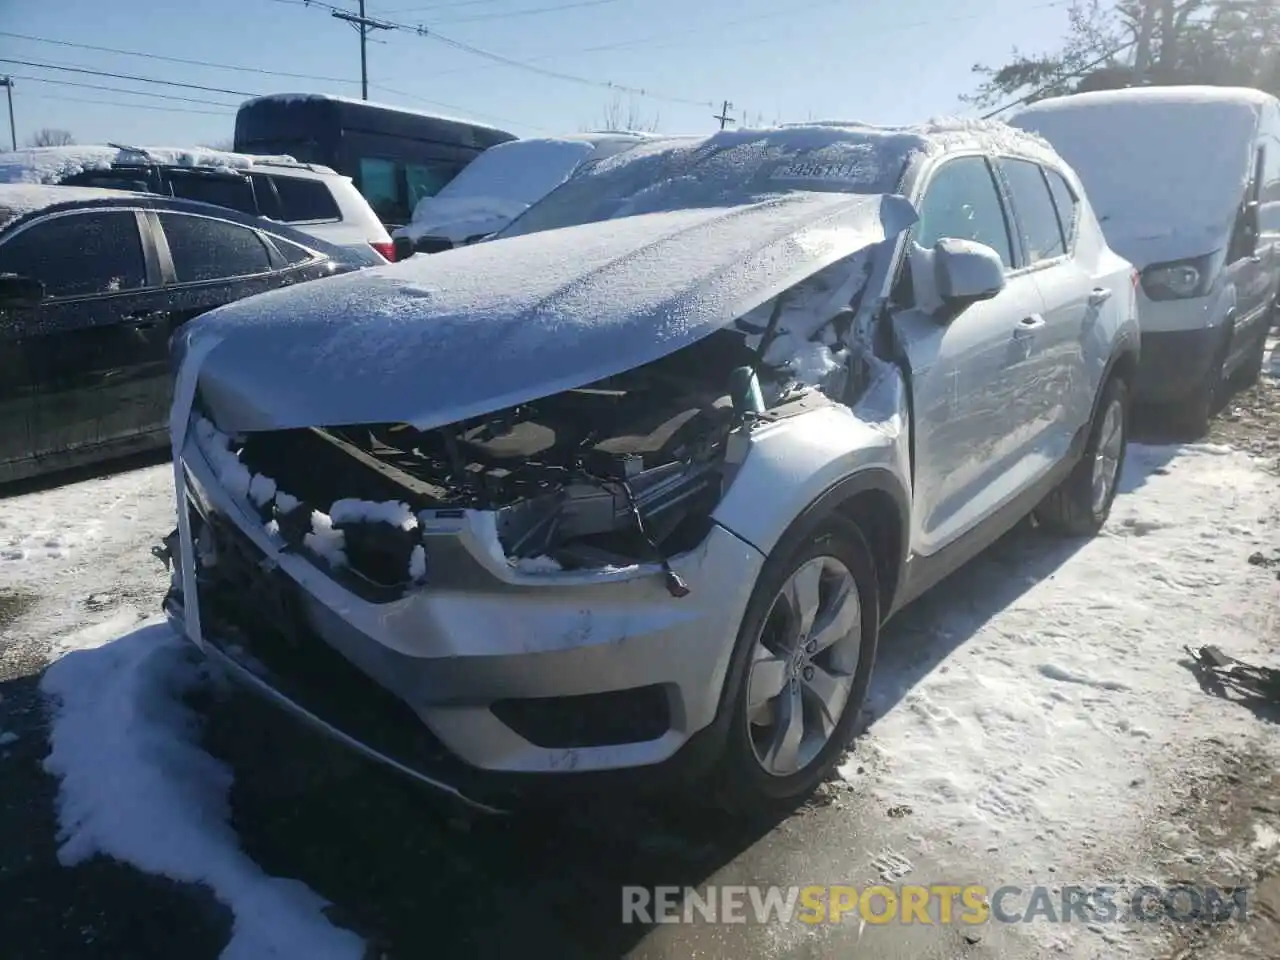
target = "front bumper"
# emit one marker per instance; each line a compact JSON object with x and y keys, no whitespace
{"x":465,"y":684}
{"x":1175,"y":363}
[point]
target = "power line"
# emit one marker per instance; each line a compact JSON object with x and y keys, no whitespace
{"x":182,"y":60}
{"x":698,"y":34}
{"x":1027,"y":98}
{"x":138,"y":106}
{"x":527,"y":12}
{"x":466,"y":110}
{"x":136,"y":93}
{"x":240,"y":93}
{"x":429,"y":34}
{"x":126,"y":76}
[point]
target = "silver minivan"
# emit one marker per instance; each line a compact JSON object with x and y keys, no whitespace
{"x":1186,"y":185}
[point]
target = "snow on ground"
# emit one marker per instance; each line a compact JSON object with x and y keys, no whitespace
{"x":84,"y":549}
{"x":1042,"y":737}
{"x":136,"y":786}
{"x":1031,"y":730}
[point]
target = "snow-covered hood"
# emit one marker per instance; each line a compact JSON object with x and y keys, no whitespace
{"x":433,"y":340}
{"x":458,"y":219}
{"x":1144,"y":244}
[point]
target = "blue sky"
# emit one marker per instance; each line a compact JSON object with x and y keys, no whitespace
{"x":774,"y":59}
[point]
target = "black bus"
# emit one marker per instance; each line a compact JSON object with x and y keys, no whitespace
{"x":396,"y":157}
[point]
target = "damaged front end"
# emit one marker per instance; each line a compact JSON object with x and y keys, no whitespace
{"x":595,"y":480}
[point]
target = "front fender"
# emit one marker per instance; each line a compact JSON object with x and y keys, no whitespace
{"x":813,"y":460}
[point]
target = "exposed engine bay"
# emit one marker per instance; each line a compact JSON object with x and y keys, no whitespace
{"x":623,"y":471}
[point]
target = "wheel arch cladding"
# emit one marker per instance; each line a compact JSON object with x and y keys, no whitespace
{"x":874,"y":501}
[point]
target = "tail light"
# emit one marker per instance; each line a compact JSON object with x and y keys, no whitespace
{"x":387,"y":249}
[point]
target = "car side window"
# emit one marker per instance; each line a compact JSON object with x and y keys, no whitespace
{"x":292,"y":253}
{"x":961,"y":202}
{"x":1066,"y":203}
{"x":304,"y":201}
{"x":79,"y":254}
{"x":1034,"y":210}
{"x":206,"y":249}
{"x":428,"y":179}
{"x":380,"y":184}
{"x":223,"y":190}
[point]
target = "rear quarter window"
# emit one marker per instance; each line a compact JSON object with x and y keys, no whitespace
{"x":304,"y":201}
{"x":1066,"y":203}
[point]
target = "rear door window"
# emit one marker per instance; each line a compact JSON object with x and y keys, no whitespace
{"x":305,"y":201}
{"x":207,"y":249}
{"x":235,"y":192}
{"x":79,"y":254}
{"x":1036,"y":215}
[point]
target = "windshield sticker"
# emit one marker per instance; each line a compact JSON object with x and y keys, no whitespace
{"x":816,"y":170}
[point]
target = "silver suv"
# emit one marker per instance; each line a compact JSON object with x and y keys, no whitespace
{"x":633,"y":488}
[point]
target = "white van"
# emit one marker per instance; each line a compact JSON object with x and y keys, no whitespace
{"x":1186,"y":185}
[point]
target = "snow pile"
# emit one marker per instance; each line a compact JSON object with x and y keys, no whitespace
{"x":136,"y":786}
{"x":231,"y":473}
{"x":285,"y":98}
{"x":392,"y":512}
{"x":496,"y":187}
{"x":53,"y":164}
{"x":1020,"y":722}
{"x":19,"y":199}
{"x":325,"y":540}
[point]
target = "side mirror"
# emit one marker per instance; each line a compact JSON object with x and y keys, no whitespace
{"x":1248,"y":228}
{"x":966,"y":272}
{"x":20,"y":293}
{"x":403,"y":247}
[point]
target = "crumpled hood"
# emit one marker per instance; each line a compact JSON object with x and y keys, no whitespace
{"x":437,"y":339}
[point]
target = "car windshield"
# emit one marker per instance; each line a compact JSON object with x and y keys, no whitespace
{"x":726,"y":169}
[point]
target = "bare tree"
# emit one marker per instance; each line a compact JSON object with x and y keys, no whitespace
{"x":49,"y":137}
{"x":617,"y":116}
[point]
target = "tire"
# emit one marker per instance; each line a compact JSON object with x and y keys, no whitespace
{"x":1192,"y":415}
{"x":741,"y":782}
{"x":1073,"y":509}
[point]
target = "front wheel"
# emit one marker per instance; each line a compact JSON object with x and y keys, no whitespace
{"x":802,"y":666}
{"x":1081,"y":504}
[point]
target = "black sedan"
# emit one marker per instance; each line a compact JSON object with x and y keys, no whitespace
{"x":93,"y":283}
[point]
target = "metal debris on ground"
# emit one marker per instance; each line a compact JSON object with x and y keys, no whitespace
{"x":1236,"y":674}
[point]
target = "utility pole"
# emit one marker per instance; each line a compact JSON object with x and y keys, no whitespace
{"x":7,"y":83}
{"x":364,"y":25}
{"x":1142,"y":57}
{"x":723,"y":115}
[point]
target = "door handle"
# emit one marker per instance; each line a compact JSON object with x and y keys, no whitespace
{"x":1099,"y":295}
{"x":1028,"y":325}
{"x":145,"y":319}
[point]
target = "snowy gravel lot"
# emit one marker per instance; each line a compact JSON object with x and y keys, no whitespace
{"x":1031,"y":721}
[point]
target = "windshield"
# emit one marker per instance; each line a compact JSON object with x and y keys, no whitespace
{"x":1153,"y":167}
{"x":722,"y":170}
